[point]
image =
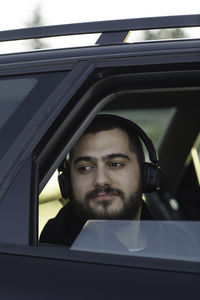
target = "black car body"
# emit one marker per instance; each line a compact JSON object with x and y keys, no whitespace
{"x":47,"y":100}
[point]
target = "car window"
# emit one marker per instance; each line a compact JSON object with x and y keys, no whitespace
{"x":153,"y":121}
{"x":161,"y":239}
{"x":23,"y":99}
{"x":165,"y":238}
{"x":22,"y":93}
{"x":12,"y":93}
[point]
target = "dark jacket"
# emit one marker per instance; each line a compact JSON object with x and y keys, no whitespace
{"x":63,"y":229}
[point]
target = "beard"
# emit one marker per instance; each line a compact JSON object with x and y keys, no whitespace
{"x":103,"y":209}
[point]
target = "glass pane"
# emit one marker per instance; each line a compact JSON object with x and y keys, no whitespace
{"x":162,"y":239}
{"x":21,"y":96}
{"x":12,"y":93}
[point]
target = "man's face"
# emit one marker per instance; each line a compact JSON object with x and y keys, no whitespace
{"x":105,"y":177}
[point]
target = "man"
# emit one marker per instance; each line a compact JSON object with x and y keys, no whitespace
{"x":104,"y":178}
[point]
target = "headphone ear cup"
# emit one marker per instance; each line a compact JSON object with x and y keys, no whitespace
{"x":151,"y":177}
{"x":64,"y":180}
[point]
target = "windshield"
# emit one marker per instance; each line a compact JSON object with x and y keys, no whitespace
{"x":161,"y":239}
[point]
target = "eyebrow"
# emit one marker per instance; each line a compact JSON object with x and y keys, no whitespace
{"x":109,"y":156}
{"x":82,"y":158}
{"x":117,"y":155}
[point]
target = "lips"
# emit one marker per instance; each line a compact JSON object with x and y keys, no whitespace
{"x":105,"y":193}
{"x":104,"y":196}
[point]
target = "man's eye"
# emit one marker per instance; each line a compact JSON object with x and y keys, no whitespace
{"x":116,"y":165}
{"x":85,"y":169}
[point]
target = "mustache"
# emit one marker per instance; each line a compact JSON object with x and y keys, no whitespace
{"x":107,"y":190}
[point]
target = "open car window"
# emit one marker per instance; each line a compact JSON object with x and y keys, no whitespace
{"x":154,"y":122}
{"x":170,"y":234}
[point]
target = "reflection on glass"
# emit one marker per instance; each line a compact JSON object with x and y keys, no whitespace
{"x":12,"y":93}
{"x":162,"y":239}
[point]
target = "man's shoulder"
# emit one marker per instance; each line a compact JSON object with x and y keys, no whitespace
{"x":55,"y":229}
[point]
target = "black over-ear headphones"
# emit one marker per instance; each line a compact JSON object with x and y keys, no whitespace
{"x":150,"y":170}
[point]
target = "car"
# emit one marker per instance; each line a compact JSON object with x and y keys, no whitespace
{"x":48,"y":98}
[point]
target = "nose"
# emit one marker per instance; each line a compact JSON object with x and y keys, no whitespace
{"x":101,"y":177}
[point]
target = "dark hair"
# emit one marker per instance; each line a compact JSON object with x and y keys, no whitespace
{"x":107,"y":122}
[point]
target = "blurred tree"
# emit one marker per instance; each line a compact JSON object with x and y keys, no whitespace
{"x":157,"y":34}
{"x":36,"y":21}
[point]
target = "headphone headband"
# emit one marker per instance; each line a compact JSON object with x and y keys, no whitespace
{"x":153,"y":156}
